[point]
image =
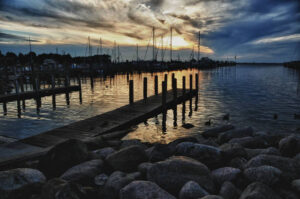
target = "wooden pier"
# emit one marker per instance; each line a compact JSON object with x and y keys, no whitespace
{"x":103,"y":126}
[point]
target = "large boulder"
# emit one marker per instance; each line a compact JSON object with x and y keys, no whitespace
{"x":268,"y":151}
{"x":103,"y":153}
{"x":116,"y":181}
{"x":212,"y":197}
{"x":290,"y":145}
{"x":230,"y":151}
{"x":127,"y":159}
{"x":249,"y":142}
{"x":144,"y":190}
{"x":259,"y":190}
{"x":209,"y":155}
{"x":60,"y":189}
{"x":192,"y":190}
{"x":236,"y":133}
{"x":132,"y":142}
{"x":287,"y":194}
{"x":84,"y":173}
{"x":174,"y":172}
{"x":237,"y":162}
{"x":296,"y":185}
{"x":222,"y":175}
{"x":229,"y":191}
{"x":100,"y":179}
{"x":214,"y":132}
{"x":265,"y":174}
{"x":62,"y":157}
{"x":20,"y":183}
{"x":286,"y":165}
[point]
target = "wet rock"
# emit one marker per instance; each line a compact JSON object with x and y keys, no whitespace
{"x":101,"y":179}
{"x":127,"y":159}
{"x":255,"y":152}
{"x":84,"y":173}
{"x":259,"y":190}
{"x":133,"y":142}
{"x":222,"y":175}
{"x":290,"y":146}
{"x":192,"y":190}
{"x":103,"y":153}
{"x":230,"y":151}
{"x":143,"y":168}
{"x":20,"y":183}
{"x":229,"y":191}
{"x":62,"y":157}
{"x":237,"y":133}
{"x":296,"y":185}
{"x":116,"y":181}
{"x":95,"y":143}
{"x":249,"y":142}
{"x":174,"y":172}
{"x":238,"y":162}
{"x":212,"y":197}
{"x":209,"y":155}
{"x":286,"y":165}
{"x":214,"y":132}
{"x":265,"y":174}
{"x":60,"y":189}
{"x":144,"y":190}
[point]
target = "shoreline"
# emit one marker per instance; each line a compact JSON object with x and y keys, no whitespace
{"x":224,"y":161}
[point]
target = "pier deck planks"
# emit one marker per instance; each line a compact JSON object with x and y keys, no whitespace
{"x":126,"y":116}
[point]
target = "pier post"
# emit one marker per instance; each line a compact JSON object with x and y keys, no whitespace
{"x":183,"y":86}
{"x":173,"y":77}
{"x":131,"y":92}
{"x":191,"y":84}
{"x":166,"y":81}
{"x":156,"y":85}
{"x":80,"y":91}
{"x":164,"y":95}
{"x":4,"y":108}
{"x":53,"y":91}
{"x":145,"y":89}
{"x":197,"y":82}
{"x":174,"y":89}
{"x":22,"y":90}
{"x":18,"y":100}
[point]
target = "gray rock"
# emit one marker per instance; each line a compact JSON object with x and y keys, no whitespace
{"x":212,"y":197}
{"x":222,"y":175}
{"x":20,"y":183}
{"x":287,"y":194}
{"x":268,"y":151}
{"x":296,"y":185}
{"x":265,"y":174}
{"x":116,"y":181}
{"x":229,"y":191}
{"x":237,"y":133}
{"x":209,"y":155}
{"x":192,"y":190}
{"x":230,"y":151}
{"x":143,"y":168}
{"x":286,"y":165}
{"x":238,"y":162}
{"x":62,"y":157}
{"x":84,"y":173}
{"x":259,"y":190}
{"x":127,"y":159}
{"x":144,"y":190}
{"x":214,"y":132}
{"x":100,"y":179}
{"x":174,"y":172}
{"x":133,"y":142}
{"x":60,"y":189}
{"x":290,"y":145}
{"x":103,"y":153}
{"x":249,"y":142}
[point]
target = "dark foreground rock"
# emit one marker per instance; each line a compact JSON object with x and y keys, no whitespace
{"x":222,"y":175}
{"x":229,"y":191}
{"x":173,"y":173}
{"x":144,"y":190}
{"x":249,"y":142}
{"x":290,"y":146}
{"x":62,"y":157}
{"x":214,"y":132}
{"x":209,"y":155}
{"x":236,"y":133}
{"x":103,"y":153}
{"x":127,"y":159}
{"x":265,"y":174}
{"x":192,"y":190}
{"x":212,"y":197}
{"x":268,"y":151}
{"x":84,"y":173}
{"x":20,"y":183}
{"x":259,"y":190}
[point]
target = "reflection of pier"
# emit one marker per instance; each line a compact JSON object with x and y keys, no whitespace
{"x":107,"y":126}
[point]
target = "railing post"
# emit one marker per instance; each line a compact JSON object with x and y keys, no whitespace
{"x":145,"y":88}
{"x":131,"y":92}
{"x":156,"y":85}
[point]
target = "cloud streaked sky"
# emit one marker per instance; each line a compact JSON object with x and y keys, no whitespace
{"x":256,"y":30}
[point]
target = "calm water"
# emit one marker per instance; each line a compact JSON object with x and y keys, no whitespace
{"x":251,"y":94}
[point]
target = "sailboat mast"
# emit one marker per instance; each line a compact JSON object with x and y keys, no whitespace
{"x":137,"y":52}
{"x":199,"y":37}
{"x":162,"y":49}
{"x":153,"y":35}
{"x":171,"y":44}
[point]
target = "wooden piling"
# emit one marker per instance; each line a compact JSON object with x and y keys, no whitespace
{"x":166,"y":81}
{"x":191,"y":83}
{"x":53,"y":95}
{"x":145,"y":89}
{"x":80,"y":92}
{"x":18,"y":100}
{"x":22,"y":90}
{"x":164,"y":95}
{"x":197,"y":82}
{"x":4,"y":108}
{"x":183,"y":85}
{"x":175,"y":89}
{"x":156,"y":85}
{"x":131,"y":92}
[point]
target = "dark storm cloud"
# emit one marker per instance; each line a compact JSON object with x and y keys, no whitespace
{"x":9,"y":37}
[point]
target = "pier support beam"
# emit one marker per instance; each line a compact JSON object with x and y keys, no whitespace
{"x":191,"y":84}
{"x":183,"y":85}
{"x":156,"y":85}
{"x":131,"y":92}
{"x":175,"y":89}
{"x":145,"y":89}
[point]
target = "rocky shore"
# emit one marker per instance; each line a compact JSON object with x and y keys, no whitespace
{"x":223,"y":162}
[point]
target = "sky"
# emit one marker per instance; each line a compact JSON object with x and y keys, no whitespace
{"x":251,"y":30}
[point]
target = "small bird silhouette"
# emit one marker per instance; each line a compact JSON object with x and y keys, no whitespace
{"x":226,"y":117}
{"x":275,"y":116}
{"x":208,"y":123}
